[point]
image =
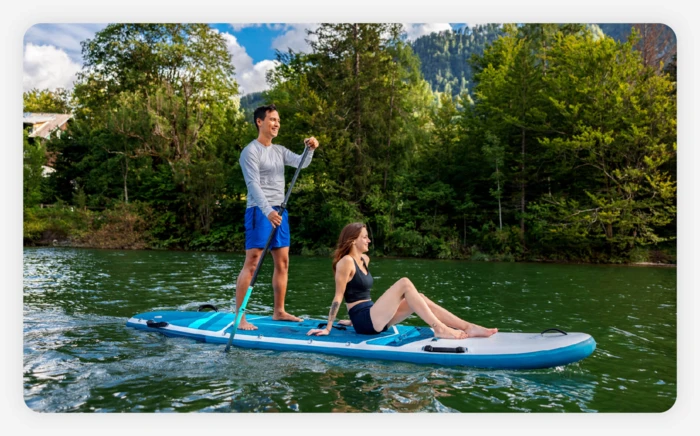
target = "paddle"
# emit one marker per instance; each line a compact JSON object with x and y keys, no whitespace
{"x":241,"y":311}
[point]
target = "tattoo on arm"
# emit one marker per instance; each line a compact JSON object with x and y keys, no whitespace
{"x":334,"y":311}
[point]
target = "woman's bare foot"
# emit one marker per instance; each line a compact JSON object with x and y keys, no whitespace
{"x":445,"y":332}
{"x":284,"y":316}
{"x":476,"y":331}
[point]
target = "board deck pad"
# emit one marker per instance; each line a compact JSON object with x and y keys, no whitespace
{"x":400,"y":342}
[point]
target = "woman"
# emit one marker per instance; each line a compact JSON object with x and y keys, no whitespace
{"x":354,"y":282}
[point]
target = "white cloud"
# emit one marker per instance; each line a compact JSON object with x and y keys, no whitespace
{"x":66,"y":37}
{"x":277,"y":26}
{"x":250,"y":77}
{"x":253,"y":80}
{"x":272,"y":26}
{"x":295,"y":38}
{"x":416,"y":30}
{"x":240,"y":26}
{"x":46,"y":66}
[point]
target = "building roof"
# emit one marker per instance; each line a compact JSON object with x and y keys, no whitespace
{"x":44,"y":123}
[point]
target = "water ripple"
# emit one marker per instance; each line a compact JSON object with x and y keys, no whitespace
{"x":80,"y":357}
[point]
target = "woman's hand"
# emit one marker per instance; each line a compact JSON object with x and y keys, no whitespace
{"x":345,"y":322}
{"x":318,"y":332}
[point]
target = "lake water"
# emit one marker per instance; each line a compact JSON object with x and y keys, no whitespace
{"x":80,"y":357}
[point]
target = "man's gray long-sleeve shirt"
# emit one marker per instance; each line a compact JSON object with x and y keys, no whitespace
{"x":263,"y":171}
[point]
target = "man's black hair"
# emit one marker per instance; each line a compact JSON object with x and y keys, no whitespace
{"x":261,"y":113}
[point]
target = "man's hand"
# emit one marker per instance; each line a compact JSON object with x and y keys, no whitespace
{"x":275,"y":218}
{"x":311,"y":142}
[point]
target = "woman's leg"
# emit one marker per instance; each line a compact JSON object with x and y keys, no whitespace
{"x":451,"y":320}
{"x":386,"y":308}
{"x":445,"y":316}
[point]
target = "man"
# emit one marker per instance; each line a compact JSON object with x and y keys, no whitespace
{"x":263,"y":164}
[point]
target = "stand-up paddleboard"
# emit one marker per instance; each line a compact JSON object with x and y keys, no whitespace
{"x":403,"y":343}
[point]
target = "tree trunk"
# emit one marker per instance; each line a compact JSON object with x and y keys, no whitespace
{"x":522,"y":189}
{"x":126,"y":173}
{"x":358,"y":112}
{"x":358,"y":101}
{"x":388,"y":151}
{"x":498,"y":184}
{"x":464,"y":217}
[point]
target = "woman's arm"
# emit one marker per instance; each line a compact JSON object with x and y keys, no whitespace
{"x":343,"y":270}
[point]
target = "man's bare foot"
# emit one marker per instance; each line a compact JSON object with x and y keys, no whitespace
{"x":445,"y":332}
{"x":476,"y":331}
{"x":284,"y":316}
{"x":245,"y":325}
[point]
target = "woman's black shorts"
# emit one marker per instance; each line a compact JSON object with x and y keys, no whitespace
{"x":361,"y":320}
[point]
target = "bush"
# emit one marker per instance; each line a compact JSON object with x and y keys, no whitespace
{"x":639,"y":254}
{"x":44,"y":225}
{"x":406,"y":241}
{"x":477,"y":255}
{"x":224,"y":238}
{"x":119,"y":228}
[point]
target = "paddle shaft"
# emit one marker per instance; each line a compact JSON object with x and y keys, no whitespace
{"x":241,"y":311}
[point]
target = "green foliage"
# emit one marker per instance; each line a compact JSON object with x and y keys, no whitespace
{"x":46,"y":101}
{"x":79,"y":198}
{"x":629,"y":194}
{"x":44,"y":225}
{"x":227,"y":238}
{"x":360,"y":93}
{"x":542,"y":142}
{"x":123,"y":227}
{"x":158,"y":121}
{"x":34,"y":159}
{"x":584,"y":126}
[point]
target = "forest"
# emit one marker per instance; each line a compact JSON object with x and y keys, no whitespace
{"x":559,"y":145}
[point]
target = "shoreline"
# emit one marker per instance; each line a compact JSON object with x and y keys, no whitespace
{"x":70,"y":244}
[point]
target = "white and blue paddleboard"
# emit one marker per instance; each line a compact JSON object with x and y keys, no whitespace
{"x":403,"y":343}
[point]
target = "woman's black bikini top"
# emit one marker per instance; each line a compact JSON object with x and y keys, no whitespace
{"x":360,"y":285}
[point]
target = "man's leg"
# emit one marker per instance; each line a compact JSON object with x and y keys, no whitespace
{"x":243,"y":282}
{"x":279,"y":284}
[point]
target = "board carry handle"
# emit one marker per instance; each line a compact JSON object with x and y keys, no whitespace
{"x":431,"y":349}
{"x":554,"y":330}
{"x":156,"y":325}
{"x":207,"y":306}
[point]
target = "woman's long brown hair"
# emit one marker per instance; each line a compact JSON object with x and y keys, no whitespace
{"x":347,"y":237}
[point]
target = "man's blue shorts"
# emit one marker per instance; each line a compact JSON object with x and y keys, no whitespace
{"x":258,"y":228}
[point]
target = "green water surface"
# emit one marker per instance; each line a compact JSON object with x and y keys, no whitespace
{"x":80,"y":357}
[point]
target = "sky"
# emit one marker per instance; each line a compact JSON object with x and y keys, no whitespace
{"x":52,"y":52}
